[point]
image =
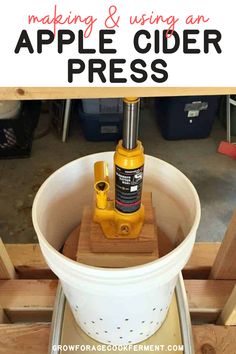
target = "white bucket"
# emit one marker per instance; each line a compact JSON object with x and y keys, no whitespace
{"x":117,"y":306}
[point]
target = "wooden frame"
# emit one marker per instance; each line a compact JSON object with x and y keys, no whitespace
{"x":27,"y":93}
{"x":27,"y":304}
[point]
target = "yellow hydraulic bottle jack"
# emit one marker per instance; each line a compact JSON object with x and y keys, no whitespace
{"x":122,"y":217}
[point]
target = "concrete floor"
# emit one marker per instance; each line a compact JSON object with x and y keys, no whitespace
{"x":212,"y":174}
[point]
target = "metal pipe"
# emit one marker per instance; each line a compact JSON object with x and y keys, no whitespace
{"x":66,"y":120}
{"x":130,"y":123}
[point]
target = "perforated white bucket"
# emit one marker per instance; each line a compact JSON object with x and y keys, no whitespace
{"x":117,"y":306}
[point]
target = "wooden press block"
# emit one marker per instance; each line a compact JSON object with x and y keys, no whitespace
{"x":146,"y":242}
{"x":110,"y":259}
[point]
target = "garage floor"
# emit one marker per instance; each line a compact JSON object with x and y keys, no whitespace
{"x":212,"y":174}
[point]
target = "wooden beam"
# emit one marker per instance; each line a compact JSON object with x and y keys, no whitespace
{"x":28,"y":261}
{"x":34,"y":339}
{"x":24,"y":338}
{"x":28,"y":93}
{"x":212,"y":339}
{"x":206,"y":298}
{"x":28,"y":300}
{"x":3,"y":316}
{"x":7,"y":270}
{"x":228,"y":314}
{"x":224,"y":266}
{"x":27,"y":293}
{"x":201,"y":260}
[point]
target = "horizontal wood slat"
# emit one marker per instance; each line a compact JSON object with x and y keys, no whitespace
{"x":27,"y":93}
{"x":30,"y":264}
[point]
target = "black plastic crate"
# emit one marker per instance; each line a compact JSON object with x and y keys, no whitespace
{"x":187,"y":117}
{"x":18,"y":132}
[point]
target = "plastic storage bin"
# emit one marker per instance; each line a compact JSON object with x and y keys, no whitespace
{"x":187,"y":117}
{"x":98,"y":127}
{"x":17,"y":125}
{"x":117,"y":306}
{"x":102,"y":105}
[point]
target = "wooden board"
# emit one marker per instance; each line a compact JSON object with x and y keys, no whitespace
{"x":7,"y":270}
{"x":224,"y":266}
{"x":28,"y":300}
{"x":201,"y":260}
{"x":24,"y":338}
{"x":228,"y":314}
{"x":206,"y":298}
{"x":3,"y":316}
{"x":28,"y":93}
{"x":145,"y":243}
{"x":28,"y":261}
{"x":168,"y":334}
{"x":111,"y":260}
{"x":34,"y":339}
{"x":212,"y":339}
{"x":198,"y":266}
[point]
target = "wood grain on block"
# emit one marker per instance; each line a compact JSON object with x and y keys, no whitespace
{"x":109,"y":260}
{"x":228,"y":314}
{"x":145,"y":243}
{"x":224,"y":266}
{"x":206,"y":298}
{"x":24,"y":338}
{"x":212,"y":339}
{"x":7,"y":270}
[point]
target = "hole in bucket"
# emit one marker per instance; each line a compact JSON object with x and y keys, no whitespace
{"x":143,"y":321}
{"x":101,"y":319}
{"x":151,"y":322}
{"x":126,"y":319}
{"x":141,"y":334}
{"x":97,"y":333}
{"x":131,"y":330}
{"x":118,"y":327}
{"x":92,"y":321}
{"x":105,"y":332}
{"x":85,"y":323}
{"x":130,"y":341}
{"x":154,"y":309}
{"x":121,"y":337}
{"x":161,"y":310}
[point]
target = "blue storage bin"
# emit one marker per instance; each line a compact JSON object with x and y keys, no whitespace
{"x":187,"y":117}
{"x":100,"y":127}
